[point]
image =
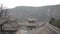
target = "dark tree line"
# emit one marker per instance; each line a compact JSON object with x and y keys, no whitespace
{"x":55,"y":22}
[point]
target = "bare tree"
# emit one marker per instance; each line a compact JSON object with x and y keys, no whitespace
{"x":12,"y":21}
{"x":3,"y":11}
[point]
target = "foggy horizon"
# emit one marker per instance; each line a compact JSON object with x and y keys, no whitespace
{"x":34,"y":3}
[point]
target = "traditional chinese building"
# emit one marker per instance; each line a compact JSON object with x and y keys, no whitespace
{"x":29,"y":25}
{"x":2,"y":22}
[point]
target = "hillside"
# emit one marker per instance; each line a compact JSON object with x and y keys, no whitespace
{"x":41,"y":13}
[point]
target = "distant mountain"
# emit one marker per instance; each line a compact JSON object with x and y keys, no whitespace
{"x":41,"y":13}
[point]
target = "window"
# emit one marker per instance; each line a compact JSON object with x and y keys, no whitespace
{"x":8,"y":32}
{"x":31,"y":21}
{"x":5,"y":32}
{"x":11,"y":32}
{"x":31,"y":27}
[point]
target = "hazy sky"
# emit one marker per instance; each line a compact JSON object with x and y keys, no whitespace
{"x":36,"y":3}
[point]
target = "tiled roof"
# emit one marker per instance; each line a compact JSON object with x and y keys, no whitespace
{"x":31,"y":24}
{"x":2,"y":19}
{"x":8,"y":27}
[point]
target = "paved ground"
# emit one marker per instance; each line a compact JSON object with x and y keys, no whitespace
{"x":43,"y":30}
